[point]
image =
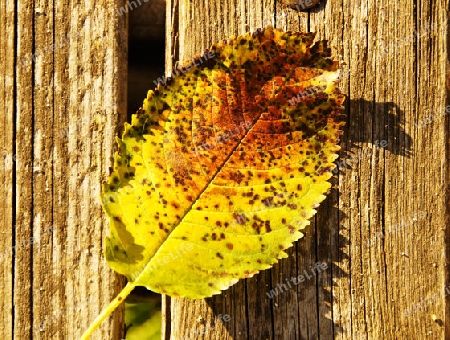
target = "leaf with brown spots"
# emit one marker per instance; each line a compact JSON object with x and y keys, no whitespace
{"x":221,"y":169}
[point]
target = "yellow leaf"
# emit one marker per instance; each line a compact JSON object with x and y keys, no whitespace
{"x":221,"y":169}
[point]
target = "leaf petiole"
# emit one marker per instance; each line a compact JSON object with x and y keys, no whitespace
{"x":108,"y":310}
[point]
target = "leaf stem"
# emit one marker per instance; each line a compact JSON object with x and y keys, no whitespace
{"x":108,"y":310}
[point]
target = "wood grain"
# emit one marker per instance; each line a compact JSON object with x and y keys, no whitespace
{"x":382,"y":231}
{"x":63,"y":72}
{"x":7,"y":166}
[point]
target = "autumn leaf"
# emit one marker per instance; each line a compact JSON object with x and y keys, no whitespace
{"x":221,"y":169}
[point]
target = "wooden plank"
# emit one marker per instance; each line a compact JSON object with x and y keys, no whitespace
{"x":22,"y":326}
{"x":7,"y":165}
{"x":63,"y":87}
{"x":382,"y":230}
{"x":392,"y":218}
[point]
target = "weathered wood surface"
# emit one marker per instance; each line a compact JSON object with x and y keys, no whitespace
{"x":383,"y":229}
{"x":63,"y":95}
{"x":61,"y":110}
